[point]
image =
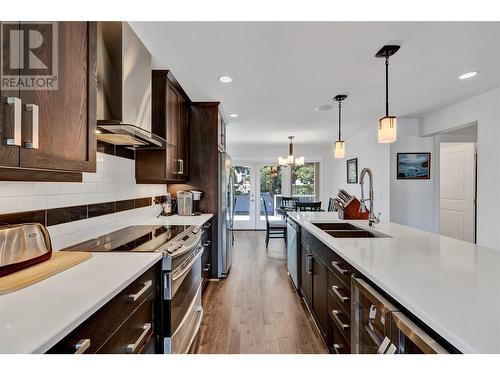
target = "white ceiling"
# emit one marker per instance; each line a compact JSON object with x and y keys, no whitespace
{"x":283,"y":70}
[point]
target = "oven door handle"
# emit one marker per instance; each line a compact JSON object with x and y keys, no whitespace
{"x":189,"y":265}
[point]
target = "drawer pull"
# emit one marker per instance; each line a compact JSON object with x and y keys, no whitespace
{"x":32,"y":141}
{"x":335,"y":265}
{"x":14,"y":139}
{"x":135,"y":297}
{"x":207,"y":267}
{"x":335,"y":290}
{"x":82,"y":346}
{"x":335,"y":314}
{"x":206,"y":226}
{"x":336,"y":348}
{"x":131,"y":348}
{"x":207,"y":243}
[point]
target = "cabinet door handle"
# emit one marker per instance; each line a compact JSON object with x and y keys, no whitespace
{"x":131,"y":348}
{"x":207,"y":243}
{"x":309,"y":264}
{"x":335,"y":290}
{"x":32,"y":139}
{"x":336,"y":348}
{"x":82,"y":346}
{"x":181,"y":166}
{"x":206,"y":226}
{"x":335,"y":265}
{"x":15,"y":136}
{"x":207,"y":267}
{"x":335,"y":314}
{"x":135,"y":297}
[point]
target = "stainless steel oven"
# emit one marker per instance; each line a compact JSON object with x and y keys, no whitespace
{"x":182,"y":308}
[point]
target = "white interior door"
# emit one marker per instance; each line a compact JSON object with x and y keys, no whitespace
{"x":457,"y":185}
{"x":244,"y":195}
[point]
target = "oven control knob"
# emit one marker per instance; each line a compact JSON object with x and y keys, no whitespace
{"x":196,"y":229}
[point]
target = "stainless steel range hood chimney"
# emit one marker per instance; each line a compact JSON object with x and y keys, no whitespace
{"x":124,"y":88}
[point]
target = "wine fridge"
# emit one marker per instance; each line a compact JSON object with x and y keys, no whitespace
{"x":379,"y":328}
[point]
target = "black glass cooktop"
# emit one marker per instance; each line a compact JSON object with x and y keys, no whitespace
{"x":137,"y":238}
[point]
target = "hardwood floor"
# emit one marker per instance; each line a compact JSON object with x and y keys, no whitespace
{"x":255,"y":309}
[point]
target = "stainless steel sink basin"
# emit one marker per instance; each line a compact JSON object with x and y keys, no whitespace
{"x":356,"y":234}
{"x":346,"y":230}
{"x":336,"y":226}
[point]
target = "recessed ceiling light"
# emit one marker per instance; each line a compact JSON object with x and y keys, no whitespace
{"x":225,"y":79}
{"x":468,"y":75}
{"x":234,"y":115}
{"x":323,"y":108}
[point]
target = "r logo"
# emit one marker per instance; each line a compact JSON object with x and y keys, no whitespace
{"x":29,"y":55}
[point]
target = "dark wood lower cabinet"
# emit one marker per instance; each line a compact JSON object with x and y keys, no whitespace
{"x":127,"y":324}
{"x":206,"y":258}
{"x":323,"y":277}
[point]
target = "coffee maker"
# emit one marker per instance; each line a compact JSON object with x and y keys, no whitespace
{"x":188,"y":202}
{"x":196,"y":202}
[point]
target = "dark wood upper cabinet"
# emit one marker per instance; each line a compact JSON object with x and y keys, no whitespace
{"x":66,"y":115}
{"x":170,"y":107}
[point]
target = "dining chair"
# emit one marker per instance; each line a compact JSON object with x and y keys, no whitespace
{"x":288,"y":202}
{"x":275,"y":229}
{"x":308,"y":206}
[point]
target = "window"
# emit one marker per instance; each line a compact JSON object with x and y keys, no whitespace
{"x":305,"y":182}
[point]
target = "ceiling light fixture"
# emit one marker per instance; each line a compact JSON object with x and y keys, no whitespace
{"x":339,"y":149}
{"x":468,"y":75}
{"x":225,"y":79}
{"x":387,"y":125}
{"x":290,"y":160}
{"x":234,"y":115}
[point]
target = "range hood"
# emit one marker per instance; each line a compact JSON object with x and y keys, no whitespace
{"x":124,"y":88}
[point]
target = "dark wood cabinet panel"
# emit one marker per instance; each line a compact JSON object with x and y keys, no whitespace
{"x":66,"y":115}
{"x":306,"y":284}
{"x":170,"y":121}
{"x":320,"y":293}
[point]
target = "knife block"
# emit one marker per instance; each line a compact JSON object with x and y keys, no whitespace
{"x":351,"y":211}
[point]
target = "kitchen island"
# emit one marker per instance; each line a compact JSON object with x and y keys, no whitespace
{"x":452,"y":286}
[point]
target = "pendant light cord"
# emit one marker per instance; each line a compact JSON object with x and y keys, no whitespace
{"x":340,"y":111}
{"x":387,"y":86}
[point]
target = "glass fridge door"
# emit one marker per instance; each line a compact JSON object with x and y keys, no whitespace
{"x":411,"y":339}
{"x":371,"y":333}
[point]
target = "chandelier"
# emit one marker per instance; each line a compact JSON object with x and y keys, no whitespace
{"x":290,"y":160}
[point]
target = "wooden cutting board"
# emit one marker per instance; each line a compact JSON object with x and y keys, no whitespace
{"x":59,"y":261}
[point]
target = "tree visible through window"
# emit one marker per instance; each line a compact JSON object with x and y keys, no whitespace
{"x":303,"y":178}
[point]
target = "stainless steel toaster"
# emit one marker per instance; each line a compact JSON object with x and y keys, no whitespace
{"x":23,"y":245}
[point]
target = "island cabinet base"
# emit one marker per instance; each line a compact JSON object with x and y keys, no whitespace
{"x":126,"y":324}
{"x":327,"y":284}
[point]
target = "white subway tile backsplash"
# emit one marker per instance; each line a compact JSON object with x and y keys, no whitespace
{"x":32,"y":203}
{"x":8,"y":204}
{"x":114,"y":180}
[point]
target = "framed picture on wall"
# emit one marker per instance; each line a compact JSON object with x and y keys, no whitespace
{"x":352,"y":171}
{"x":414,"y":165}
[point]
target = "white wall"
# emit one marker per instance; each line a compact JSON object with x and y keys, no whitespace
{"x":371,"y":154}
{"x":269,"y":153}
{"x":485,"y":110}
{"x":114,"y":180}
{"x":413,"y":201}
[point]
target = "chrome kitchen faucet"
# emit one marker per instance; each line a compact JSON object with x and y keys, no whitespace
{"x":372,"y":219}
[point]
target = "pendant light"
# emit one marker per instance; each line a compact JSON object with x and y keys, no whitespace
{"x":290,"y":160}
{"x":387,"y":125}
{"x":339,"y":148}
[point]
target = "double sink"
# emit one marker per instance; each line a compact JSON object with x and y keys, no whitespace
{"x":346,"y":230}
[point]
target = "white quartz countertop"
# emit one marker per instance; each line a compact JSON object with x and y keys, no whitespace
{"x":179,"y":220}
{"x":35,"y":318}
{"x":452,"y":286}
